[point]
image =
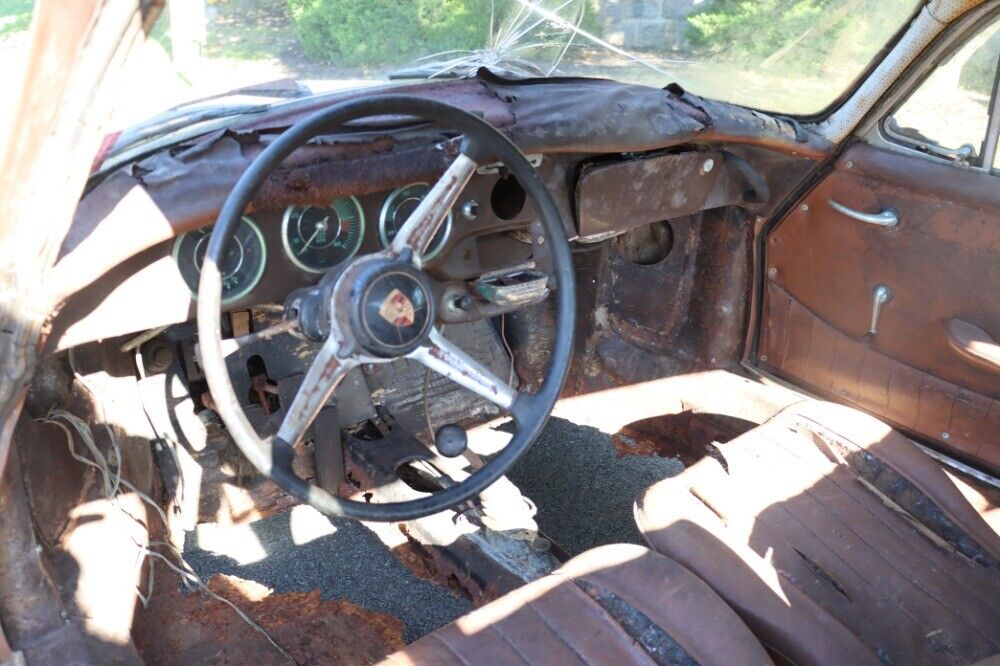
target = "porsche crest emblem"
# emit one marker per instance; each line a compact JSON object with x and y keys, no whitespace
{"x":397,"y":309}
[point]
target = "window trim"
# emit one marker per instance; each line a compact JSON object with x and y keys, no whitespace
{"x":993,"y":127}
{"x":895,"y":141}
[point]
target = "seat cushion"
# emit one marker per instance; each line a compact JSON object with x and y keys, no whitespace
{"x":619,"y":604}
{"x":837,"y":541}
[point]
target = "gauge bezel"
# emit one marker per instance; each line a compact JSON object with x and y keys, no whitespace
{"x":285,"y":217}
{"x":251,"y":285}
{"x":383,"y":219}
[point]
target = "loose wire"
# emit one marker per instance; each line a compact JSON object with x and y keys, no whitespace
{"x":113,"y":482}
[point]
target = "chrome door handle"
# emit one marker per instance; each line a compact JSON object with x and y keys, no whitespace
{"x":887,"y":218}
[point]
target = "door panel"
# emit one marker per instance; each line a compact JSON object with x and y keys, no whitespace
{"x":941,"y":264}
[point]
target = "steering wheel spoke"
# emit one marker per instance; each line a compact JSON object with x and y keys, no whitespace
{"x":325,"y":374}
{"x":447,"y":359}
{"x":419,"y":229}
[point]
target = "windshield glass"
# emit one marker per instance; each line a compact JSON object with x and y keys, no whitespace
{"x":787,"y":56}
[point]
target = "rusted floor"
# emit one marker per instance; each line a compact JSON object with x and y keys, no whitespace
{"x":340,"y":595}
{"x":327,"y":591}
{"x":687,"y":435}
{"x":192,"y":628}
{"x":301,"y":550}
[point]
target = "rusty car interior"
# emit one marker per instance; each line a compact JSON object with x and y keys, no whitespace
{"x":571,"y":370}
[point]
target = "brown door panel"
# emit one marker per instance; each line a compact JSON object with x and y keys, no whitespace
{"x":941,"y":263}
{"x":798,"y":345}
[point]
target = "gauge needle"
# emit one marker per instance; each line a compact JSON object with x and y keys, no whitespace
{"x":320,"y":226}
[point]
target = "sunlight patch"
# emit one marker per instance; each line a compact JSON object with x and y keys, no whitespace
{"x":238,"y":543}
{"x":307,"y":524}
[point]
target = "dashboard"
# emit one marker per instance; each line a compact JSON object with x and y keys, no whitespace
{"x":130,"y":261}
{"x":278,"y":250}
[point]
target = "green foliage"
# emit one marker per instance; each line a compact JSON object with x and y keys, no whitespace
{"x":370,"y":32}
{"x":755,"y":29}
{"x":802,"y":35}
{"x":977,"y":73}
{"x":15,"y":15}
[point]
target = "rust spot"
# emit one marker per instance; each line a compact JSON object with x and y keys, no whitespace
{"x":423,"y":563}
{"x":687,"y":435}
{"x":181,"y":628}
{"x":232,"y":492}
{"x":627,"y":444}
{"x":433,"y":564}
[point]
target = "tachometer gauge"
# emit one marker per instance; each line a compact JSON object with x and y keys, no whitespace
{"x":317,"y":239}
{"x":398,"y":207}
{"x":241,"y":268}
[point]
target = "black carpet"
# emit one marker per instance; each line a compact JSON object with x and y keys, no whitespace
{"x":583,"y":492}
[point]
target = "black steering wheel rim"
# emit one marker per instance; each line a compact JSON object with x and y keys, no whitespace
{"x":530,"y":411}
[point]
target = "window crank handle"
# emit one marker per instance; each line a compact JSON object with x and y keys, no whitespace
{"x":880,"y":296}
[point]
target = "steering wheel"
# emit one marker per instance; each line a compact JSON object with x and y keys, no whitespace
{"x":380,"y":307}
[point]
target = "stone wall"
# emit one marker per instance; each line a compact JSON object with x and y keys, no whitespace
{"x":647,"y":24}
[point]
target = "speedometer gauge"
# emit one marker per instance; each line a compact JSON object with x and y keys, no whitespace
{"x":317,"y":239}
{"x":397,"y":210}
{"x":241,"y":268}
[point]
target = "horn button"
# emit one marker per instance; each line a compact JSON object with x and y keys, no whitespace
{"x":392,"y":309}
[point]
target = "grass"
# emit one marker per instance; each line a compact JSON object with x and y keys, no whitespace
{"x":15,"y":16}
{"x":244,"y":30}
{"x":239,"y":30}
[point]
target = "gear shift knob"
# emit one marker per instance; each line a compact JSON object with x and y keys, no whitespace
{"x":451,"y":440}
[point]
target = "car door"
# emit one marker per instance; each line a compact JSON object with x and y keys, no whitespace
{"x":881,"y":285}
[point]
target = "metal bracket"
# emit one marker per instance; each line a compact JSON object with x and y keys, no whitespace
{"x":380,"y":458}
{"x":534,"y":160}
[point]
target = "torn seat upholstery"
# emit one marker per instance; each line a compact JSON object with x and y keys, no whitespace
{"x":837,"y":540}
{"x":619,"y":604}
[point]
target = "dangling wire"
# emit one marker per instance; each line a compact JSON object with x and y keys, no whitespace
{"x":510,"y":352}
{"x":113,"y":483}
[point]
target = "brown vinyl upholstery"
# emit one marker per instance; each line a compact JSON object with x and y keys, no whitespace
{"x":617,"y":605}
{"x":837,"y":540}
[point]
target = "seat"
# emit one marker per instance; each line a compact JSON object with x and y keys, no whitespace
{"x":837,"y":540}
{"x":619,"y":604}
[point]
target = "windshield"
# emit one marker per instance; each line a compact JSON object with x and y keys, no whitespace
{"x":787,"y":56}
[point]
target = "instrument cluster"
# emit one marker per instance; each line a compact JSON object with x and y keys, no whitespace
{"x":314,"y":239}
